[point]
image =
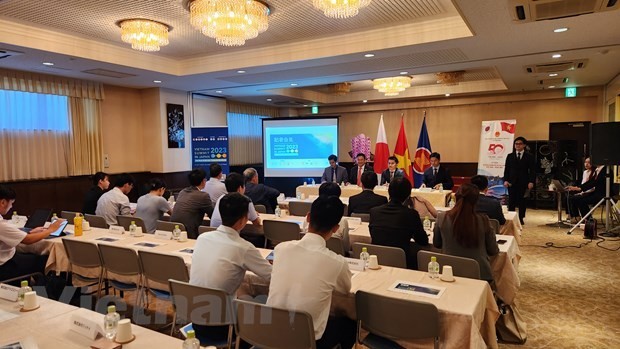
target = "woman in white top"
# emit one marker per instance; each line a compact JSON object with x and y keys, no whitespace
{"x":152,"y":206}
{"x":588,"y":172}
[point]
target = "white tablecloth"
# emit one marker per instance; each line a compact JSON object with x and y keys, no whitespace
{"x":436,"y":197}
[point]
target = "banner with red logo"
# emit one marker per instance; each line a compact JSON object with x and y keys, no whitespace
{"x":496,"y":138}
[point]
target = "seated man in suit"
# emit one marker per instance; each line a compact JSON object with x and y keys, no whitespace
{"x":367,"y":199}
{"x":392,"y":171}
{"x":334,"y":172}
{"x":192,"y":203}
{"x":486,"y":204}
{"x":394,"y":224}
{"x":260,"y":194}
{"x":356,"y":172}
{"x":436,"y":174}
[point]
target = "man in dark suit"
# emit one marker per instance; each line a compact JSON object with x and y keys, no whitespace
{"x":437,"y":175}
{"x":260,"y":194}
{"x":519,"y":176}
{"x":486,"y":204}
{"x":392,"y":171}
{"x":334,"y":172}
{"x":367,"y":199}
{"x":394,"y":224}
{"x":356,"y":172}
{"x":588,"y":193}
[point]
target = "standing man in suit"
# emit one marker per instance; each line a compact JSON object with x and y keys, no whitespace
{"x":437,"y":174}
{"x":334,"y":172}
{"x":392,"y":171}
{"x":356,"y":172}
{"x":519,"y":176}
{"x":486,"y":204}
{"x":367,"y":199}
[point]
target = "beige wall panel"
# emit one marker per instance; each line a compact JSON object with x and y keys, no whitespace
{"x":152,"y":128}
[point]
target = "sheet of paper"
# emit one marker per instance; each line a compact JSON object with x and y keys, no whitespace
{"x":6,"y":316}
{"x":148,"y":244}
{"x":417,"y":289}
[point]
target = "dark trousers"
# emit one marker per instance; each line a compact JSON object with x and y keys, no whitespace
{"x":516,"y":199}
{"x":339,"y":330}
{"x":583,"y":202}
{"x":22,"y":264}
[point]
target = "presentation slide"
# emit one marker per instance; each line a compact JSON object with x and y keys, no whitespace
{"x":298,"y":147}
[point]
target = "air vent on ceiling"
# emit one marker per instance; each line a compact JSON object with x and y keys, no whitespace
{"x":4,"y":53}
{"x":289,"y":103}
{"x":108,"y":73}
{"x":554,"y":81}
{"x":556,"y":67}
{"x":539,"y":10}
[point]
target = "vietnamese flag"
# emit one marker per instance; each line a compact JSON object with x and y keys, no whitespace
{"x":508,"y":127}
{"x":401,"y":151}
{"x":382,"y":152}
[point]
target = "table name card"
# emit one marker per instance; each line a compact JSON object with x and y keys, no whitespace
{"x":115,"y":229}
{"x":8,"y":292}
{"x":84,"y":326}
{"x":164,"y":235}
{"x":355,"y":264}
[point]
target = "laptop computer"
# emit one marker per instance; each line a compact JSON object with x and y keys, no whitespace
{"x":37,"y":219}
{"x":558,"y":185}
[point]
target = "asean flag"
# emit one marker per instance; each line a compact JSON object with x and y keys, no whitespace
{"x":401,"y":151}
{"x":422,"y":158}
{"x":382,"y":151}
{"x":508,"y":127}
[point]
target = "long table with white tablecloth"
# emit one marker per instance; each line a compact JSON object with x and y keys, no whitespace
{"x":436,"y":197}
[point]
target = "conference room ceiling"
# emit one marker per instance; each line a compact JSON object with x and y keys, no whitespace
{"x":303,"y":47}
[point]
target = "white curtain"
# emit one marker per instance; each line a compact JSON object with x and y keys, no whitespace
{"x":245,"y":132}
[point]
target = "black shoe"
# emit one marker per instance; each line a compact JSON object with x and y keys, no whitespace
{"x":521,"y":220}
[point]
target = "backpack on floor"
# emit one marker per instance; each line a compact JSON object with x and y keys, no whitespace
{"x":589,"y":230}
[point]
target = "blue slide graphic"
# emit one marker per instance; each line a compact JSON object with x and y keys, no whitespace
{"x":300,"y":147}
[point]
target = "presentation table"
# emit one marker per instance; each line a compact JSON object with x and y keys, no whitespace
{"x":436,"y":197}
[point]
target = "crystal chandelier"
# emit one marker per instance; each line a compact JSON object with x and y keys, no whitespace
{"x":340,"y":8}
{"x":339,"y":89}
{"x":229,"y":22}
{"x":143,"y":34}
{"x":392,"y":86}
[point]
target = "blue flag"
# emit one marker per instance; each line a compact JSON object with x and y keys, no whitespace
{"x":422,"y":156}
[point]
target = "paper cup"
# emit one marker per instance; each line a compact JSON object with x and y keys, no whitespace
{"x":373,"y":262}
{"x":123,"y":331}
{"x":85,"y":225}
{"x":31,"y":301}
{"x":447,"y":274}
{"x":183,"y":236}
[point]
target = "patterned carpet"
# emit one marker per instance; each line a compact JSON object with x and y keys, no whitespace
{"x":569,"y":297}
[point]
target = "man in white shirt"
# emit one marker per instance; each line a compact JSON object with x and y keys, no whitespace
{"x":115,"y":202}
{"x":235,"y":184}
{"x":12,"y":263}
{"x":221,"y":257}
{"x":305,"y":273}
{"x":214,"y":186}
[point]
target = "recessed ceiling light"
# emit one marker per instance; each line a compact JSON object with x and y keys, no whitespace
{"x":404,"y":72}
{"x":48,"y":63}
{"x":157,"y":81}
{"x":293,"y":84}
{"x":552,"y":86}
{"x":240,"y":71}
{"x":560,"y":30}
{"x":365,"y":101}
{"x":269,"y":99}
{"x":557,"y":55}
{"x":305,"y":105}
{"x":218,"y":91}
{"x":553,"y":74}
{"x":447,"y":95}
{"x":369,"y":55}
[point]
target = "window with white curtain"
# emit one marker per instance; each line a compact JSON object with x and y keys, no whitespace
{"x":34,"y":135}
{"x":245,"y":133}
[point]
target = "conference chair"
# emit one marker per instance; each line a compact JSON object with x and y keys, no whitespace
{"x":85,"y":255}
{"x":495,"y":226}
{"x":280,"y":231}
{"x":96,"y":221}
{"x":260,"y":208}
{"x":462,"y":267}
{"x":158,"y":268}
{"x":169,"y":226}
{"x":388,"y":319}
{"x":203,"y":306}
{"x":68,"y":215}
{"x":365,"y":217}
{"x":125,"y":222}
{"x":205,"y":229}
{"x":124,"y":262}
{"x":388,"y":256}
{"x":286,"y":328}
{"x":299,"y":208}
{"x":336,"y":245}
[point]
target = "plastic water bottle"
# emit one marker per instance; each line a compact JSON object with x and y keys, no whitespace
{"x":54,"y":218}
{"x":191,"y":342}
{"x":15,"y":218}
{"x":278,"y":211}
{"x":365,"y":256}
{"x":313,"y":182}
{"x":176,"y":232}
{"x":433,"y":268}
{"x":451,"y":203}
{"x":304,"y":226}
{"x":110,"y":322}
{"x":21,"y":292}
{"x":171,"y":199}
{"x":427,"y":223}
{"x":133,"y":228}
{"x":77,"y":224}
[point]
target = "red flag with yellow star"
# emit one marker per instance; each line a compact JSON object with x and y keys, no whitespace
{"x":422,"y":157}
{"x":401,"y":151}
